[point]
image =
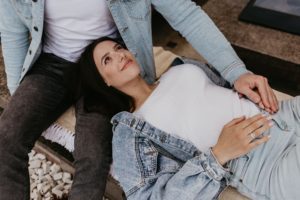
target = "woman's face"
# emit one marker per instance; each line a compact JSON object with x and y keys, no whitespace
{"x":115,"y":64}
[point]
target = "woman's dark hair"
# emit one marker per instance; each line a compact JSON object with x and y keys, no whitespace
{"x":97,"y":95}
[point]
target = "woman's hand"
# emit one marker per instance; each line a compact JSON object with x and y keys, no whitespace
{"x":240,"y":136}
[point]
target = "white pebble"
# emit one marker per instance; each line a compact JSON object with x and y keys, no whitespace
{"x":40,"y":156}
{"x":46,"y":188}
{"x":35,"y":164}
{"x":48,"y":194}
{"x":58,"y":193}
{"x":39,"y":187}
{"x":66,"y":175}
{"x":57,"y":176}
{"x":34,"y":176}
{"x":67,"y":187}
{"x":55,"y":168}
{"x":46,"y":168}
{"x":59,"y":187}
{"x":67,"y":181}
{"x":40,"y":173}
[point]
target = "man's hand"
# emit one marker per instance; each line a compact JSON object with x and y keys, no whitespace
{"x":257,"y":89}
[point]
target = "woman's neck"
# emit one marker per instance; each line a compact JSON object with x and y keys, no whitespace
{"x":139,"y":90}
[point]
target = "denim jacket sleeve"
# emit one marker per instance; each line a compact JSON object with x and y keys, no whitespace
{"x":14,"y":42}
{"x":144,"y":173}
{"x":194,"y":24}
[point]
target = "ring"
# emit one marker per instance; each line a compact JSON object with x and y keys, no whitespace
{"x":253,"y":136}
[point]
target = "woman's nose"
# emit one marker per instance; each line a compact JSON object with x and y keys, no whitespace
{"x":120,"y":56}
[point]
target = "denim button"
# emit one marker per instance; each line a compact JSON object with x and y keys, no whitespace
{"x":36,"y":28}
{"x":30,"y":52}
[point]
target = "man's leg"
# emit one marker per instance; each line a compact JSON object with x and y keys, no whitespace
{"x":92,"y":154}
{"x":38,"y":101}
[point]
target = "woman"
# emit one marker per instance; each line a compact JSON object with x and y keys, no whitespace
{"x":185,"y":137}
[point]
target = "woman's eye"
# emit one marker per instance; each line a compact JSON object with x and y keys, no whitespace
{"x":107,"y":60}
{"x":119,"y":47}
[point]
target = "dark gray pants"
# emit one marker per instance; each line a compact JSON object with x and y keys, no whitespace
{"x":40,"y":99}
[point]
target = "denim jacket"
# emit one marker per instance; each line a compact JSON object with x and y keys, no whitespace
{"x":152,"y":164}
{"x":20,"y":19}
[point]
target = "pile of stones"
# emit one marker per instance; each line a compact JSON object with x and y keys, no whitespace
{"x":48,"y":180}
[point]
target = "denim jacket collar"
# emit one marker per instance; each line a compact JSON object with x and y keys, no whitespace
{"x":181,"y":149}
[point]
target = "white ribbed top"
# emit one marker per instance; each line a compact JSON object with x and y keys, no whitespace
{"x":187,"y":104}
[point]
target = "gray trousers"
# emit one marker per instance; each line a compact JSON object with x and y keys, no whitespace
{"x":40,"y":99}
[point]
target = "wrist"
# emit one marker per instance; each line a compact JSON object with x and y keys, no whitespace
{"x":219,"y":156}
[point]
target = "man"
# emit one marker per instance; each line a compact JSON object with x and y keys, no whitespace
{"x":41,"y":39}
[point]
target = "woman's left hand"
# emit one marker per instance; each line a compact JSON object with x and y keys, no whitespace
{"x":258,"y":90}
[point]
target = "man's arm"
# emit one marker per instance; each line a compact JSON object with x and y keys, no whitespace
{"x":14,"y":42}
{"x":200,"y":31}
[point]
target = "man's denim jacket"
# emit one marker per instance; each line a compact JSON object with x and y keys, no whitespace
{"x":152,"y":164}
{"x":20,"y":19}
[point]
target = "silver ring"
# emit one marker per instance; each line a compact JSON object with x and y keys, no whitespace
{"x":253,"y":136}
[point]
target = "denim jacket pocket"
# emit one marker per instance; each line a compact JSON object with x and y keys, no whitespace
{"x":138,"y":9}
{"x":23,"y":8}
{"x":147,"y":157}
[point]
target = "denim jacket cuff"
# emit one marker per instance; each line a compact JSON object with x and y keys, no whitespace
{"x":212,"y":166}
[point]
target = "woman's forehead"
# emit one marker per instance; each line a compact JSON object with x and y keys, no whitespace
{"x":103,"y":48}
{"x":107,"y":44}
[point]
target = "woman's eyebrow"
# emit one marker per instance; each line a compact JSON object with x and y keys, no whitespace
{"x":115,"y":46}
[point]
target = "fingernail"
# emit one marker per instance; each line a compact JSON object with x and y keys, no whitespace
{"x":269,"y":136}
{"x":269,"y":117}
{"x":271,"y":123}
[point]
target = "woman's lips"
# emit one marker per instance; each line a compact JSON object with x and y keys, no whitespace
{"x":127,"y":64}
